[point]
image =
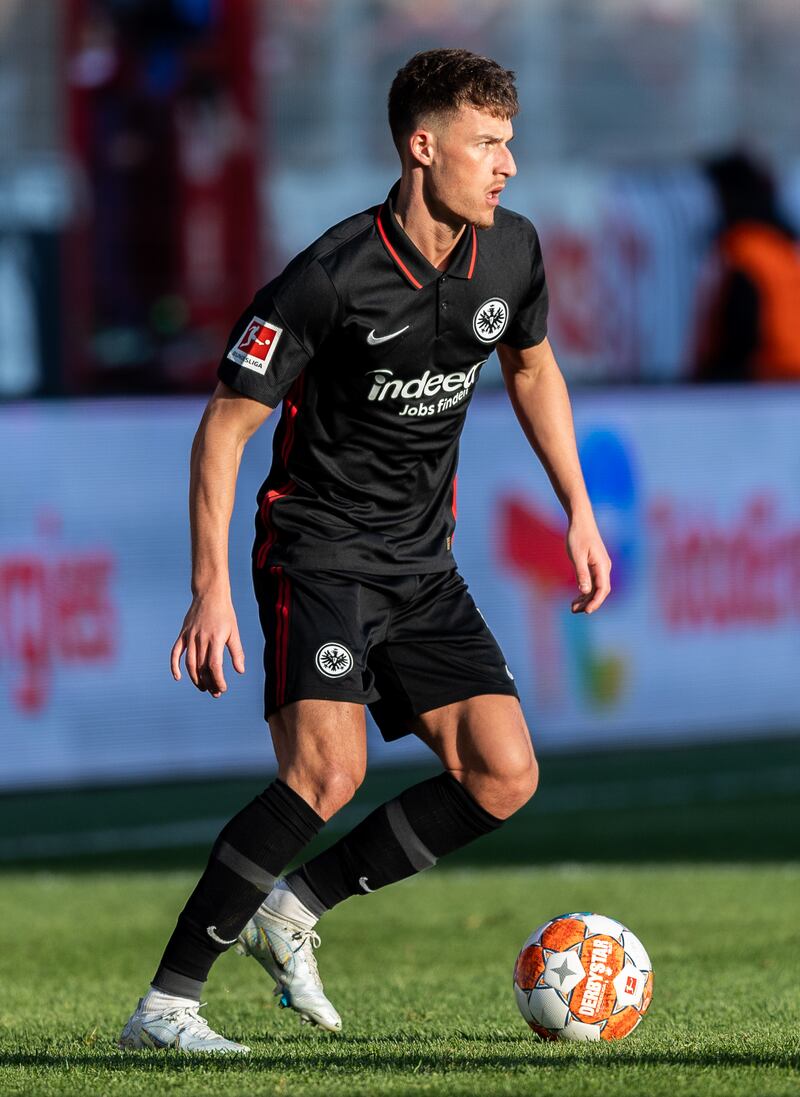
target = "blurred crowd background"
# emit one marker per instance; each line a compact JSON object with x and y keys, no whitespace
{"x":161,"y":159}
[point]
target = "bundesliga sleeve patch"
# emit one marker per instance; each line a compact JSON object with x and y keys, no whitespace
{"x":256,"y":346}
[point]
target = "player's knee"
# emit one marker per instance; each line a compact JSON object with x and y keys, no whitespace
{"x":525,"y":782}
{"x":507,"y":786}
{"x":334,"y":787}
{"x":519,"y":783}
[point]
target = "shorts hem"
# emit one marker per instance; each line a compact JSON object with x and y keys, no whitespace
{"x":353,"y":697}
{"x":451,"y":697}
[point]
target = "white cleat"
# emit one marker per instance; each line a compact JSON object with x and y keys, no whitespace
{"x":180,"y":1027}
{"x":285,"y":949}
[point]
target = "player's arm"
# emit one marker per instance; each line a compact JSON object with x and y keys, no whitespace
{"x":210,"y":624}
{"x":539,"y":396}
{"x":270,"y":345}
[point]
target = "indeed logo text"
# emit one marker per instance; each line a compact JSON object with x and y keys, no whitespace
{"x":385,"y":386}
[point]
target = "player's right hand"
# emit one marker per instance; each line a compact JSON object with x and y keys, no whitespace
{"x":208,"y":628}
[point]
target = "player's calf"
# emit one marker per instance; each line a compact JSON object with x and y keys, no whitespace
{"x":397,"y":840}
{"x":400,"y":838}
{"x":249,"y":853}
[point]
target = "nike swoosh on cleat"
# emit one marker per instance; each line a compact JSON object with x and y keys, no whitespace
{"x":155,"y":1043}
{"x":362,"y":882}
{"x":374,"y":339}
{"x":219,"y":940}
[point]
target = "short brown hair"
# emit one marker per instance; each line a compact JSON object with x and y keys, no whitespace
{"x":443,"y":80}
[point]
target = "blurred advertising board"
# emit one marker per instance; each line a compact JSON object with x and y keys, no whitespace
{"x":696,"y":493}
{"x":162,"y":127}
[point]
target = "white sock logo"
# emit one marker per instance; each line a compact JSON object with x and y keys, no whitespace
{"x":362,"y":883}
{"x":213,"y":936}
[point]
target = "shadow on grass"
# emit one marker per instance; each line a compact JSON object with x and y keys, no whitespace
{"x":347,"y":1054}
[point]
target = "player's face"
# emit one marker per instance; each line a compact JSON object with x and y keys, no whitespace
{"x":470,"y":164}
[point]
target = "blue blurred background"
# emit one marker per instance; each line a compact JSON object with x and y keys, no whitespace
{"x":160,"y":159}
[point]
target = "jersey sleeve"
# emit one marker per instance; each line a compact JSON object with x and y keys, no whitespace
{"x":529,"y":324}
{"x":279,"y":333}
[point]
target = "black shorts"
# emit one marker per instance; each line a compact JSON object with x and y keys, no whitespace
{"x":401,"y":644}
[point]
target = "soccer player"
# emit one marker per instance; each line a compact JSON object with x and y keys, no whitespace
{"x":372,"y":339}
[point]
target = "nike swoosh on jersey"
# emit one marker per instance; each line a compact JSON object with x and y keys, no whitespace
{"x":362,"y":881}
{"x":374,"y":339}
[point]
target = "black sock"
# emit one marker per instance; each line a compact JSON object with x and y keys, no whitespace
{"x":251,"y":850}
{"x":397,"y":840}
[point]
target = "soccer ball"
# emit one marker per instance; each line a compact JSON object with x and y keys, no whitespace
{"x":583,"y":977}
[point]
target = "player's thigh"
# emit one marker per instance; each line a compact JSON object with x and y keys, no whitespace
{"x":320,"y":736}
{"x":484,"y":736}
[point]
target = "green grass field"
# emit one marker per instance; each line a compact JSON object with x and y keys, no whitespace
{"x":422,"y":976}
{"x":422,"y":972}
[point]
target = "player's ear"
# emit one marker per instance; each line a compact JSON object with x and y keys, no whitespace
{"x":420,"y":145}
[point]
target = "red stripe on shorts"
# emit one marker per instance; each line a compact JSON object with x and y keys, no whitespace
{"x":282,"y":607}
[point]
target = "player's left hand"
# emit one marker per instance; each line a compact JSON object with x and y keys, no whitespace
{"x":591,"y":562}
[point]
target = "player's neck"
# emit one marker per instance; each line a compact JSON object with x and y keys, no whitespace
{"x":429,"y":229}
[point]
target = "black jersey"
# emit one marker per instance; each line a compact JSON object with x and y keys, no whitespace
{"x":375,"y":354}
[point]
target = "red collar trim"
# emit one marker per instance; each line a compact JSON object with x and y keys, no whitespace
{"x":474,"y":252}
{"x":393,"y":253}
{"x":414,"y":281}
